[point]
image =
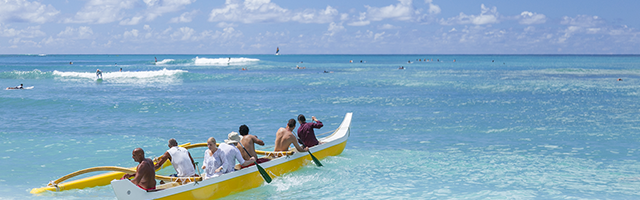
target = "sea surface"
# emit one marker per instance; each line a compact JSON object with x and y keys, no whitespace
{"x":482,"y":127}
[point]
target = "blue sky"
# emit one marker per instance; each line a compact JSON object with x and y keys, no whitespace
{"x":319,"y":27}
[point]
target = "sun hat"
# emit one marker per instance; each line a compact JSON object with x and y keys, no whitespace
{"x":234,"y":137}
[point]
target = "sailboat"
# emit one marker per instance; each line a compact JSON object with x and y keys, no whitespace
{"x":277,"y":51}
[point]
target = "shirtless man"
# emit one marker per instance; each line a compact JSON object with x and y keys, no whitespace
{"x":249,"y":142}
{"x":145,"y":174}
{"x":285,"y":137}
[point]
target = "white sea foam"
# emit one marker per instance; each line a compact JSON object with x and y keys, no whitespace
{"x":223,"y":61}
{"x":136,"y":77}
{"x":165,"y":61}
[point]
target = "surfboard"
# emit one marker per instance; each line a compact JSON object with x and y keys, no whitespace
{"x":24,"y":88}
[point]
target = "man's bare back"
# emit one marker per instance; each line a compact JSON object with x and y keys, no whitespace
{"x":248,"y":141}
{"x":285,"y":137}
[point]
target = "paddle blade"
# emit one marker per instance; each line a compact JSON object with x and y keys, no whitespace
{"x":264,"y":174}
{"x":315,"y":160}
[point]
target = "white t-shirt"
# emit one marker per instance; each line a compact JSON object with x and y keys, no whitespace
{"x":181,"y":161}
{"x":230,"y":155}
{"x":212,"y":162}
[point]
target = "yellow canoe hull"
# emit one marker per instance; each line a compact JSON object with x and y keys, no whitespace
{"x":240,"y":180}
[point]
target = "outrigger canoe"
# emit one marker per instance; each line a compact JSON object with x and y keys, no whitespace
{"x":240,"y":180}
{"x":221,"y":186}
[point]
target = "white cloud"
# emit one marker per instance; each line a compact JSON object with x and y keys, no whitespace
{"x":433,"y":9}
{"x":29,"y":32}
{"x":335,"y":28}
{"x":527,"y":17}
{"x":312,"y":16}
{"x":487,"y":16}
{"x":361,"y":20}
{"x":183,"y":33}
{"x":582,"y":21}
{"x":25,"y":11}
{"x":131,"y":34}
{"x":402,"y":11}
{"x":265,"y":11}
{"x":82,"y":32}
{"x":131,"y":21}
{"x":225,"y":25}
{"x":251,"y":11}
{"x":101,"y":11}
{"x":185,"y":17}
{"x":156,"y":8}
{"x":388,"y":26}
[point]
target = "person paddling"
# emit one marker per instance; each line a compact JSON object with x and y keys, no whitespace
{"x":145,"y":174}
{"x":305,"y":132}
{"x":98,"y":73}
{"x":180,"y":159}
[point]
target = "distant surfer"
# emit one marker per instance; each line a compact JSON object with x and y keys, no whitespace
{"x":155,"y":59}
{"x":618,"y":80}
{"x":99,"y":74}
{"x":120,"y":69}
{"x":16,"y":87}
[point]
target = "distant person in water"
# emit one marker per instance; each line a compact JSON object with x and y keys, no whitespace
{"x":145,"y":174}
{"x":16,"y":87}
{"x":156,"y":59}
{"x":71,"y":63}
{"x":120,"y":69}
{"x":305,"y":131}
{"x":618,"y":80}
{"x":98,"y":73}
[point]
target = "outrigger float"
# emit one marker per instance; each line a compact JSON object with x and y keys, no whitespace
{"x":217,"y":187}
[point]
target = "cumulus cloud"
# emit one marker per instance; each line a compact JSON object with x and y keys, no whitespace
{"x":388,"y":26}
{"x":256,"y":11}
{"x":185,"y":17}
{"x":334,"y":28}
{"x":25,"y":11}
{"x":82,"y":32}
{"x":313,"y":16}
{"x":101,"y":11}
{"x":487,"y":16}
{"x":527,"y":17}
{"x":362,"y":20}
{"x":156,"y":8}
{"x":433,"y":9}
{"x":131,"y":34}
{"x":251,"y":11}
{"x":402,"y":11}
{"x":29,"y":32}
{"x":582,"y":21}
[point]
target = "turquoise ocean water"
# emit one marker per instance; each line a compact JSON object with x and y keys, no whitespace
{"x":521,"y":127}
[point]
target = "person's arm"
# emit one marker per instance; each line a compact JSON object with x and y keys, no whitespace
{"x":257,"y":141}
{"x":248,"y":162}
{"x":298,"y":147}
{"x":163,"y":159}
{"x":138,"y":175}
{"x":317,"y":124}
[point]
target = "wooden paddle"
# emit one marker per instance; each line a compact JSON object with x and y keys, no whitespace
{"x":264,"y":173}
{"x":315,"y":160}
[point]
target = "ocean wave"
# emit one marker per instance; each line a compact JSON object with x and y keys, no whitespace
{"x":166,"y":61}
{"x":135,"y":77}
{"x":223,"y":61}
{"x":34,"y":74}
